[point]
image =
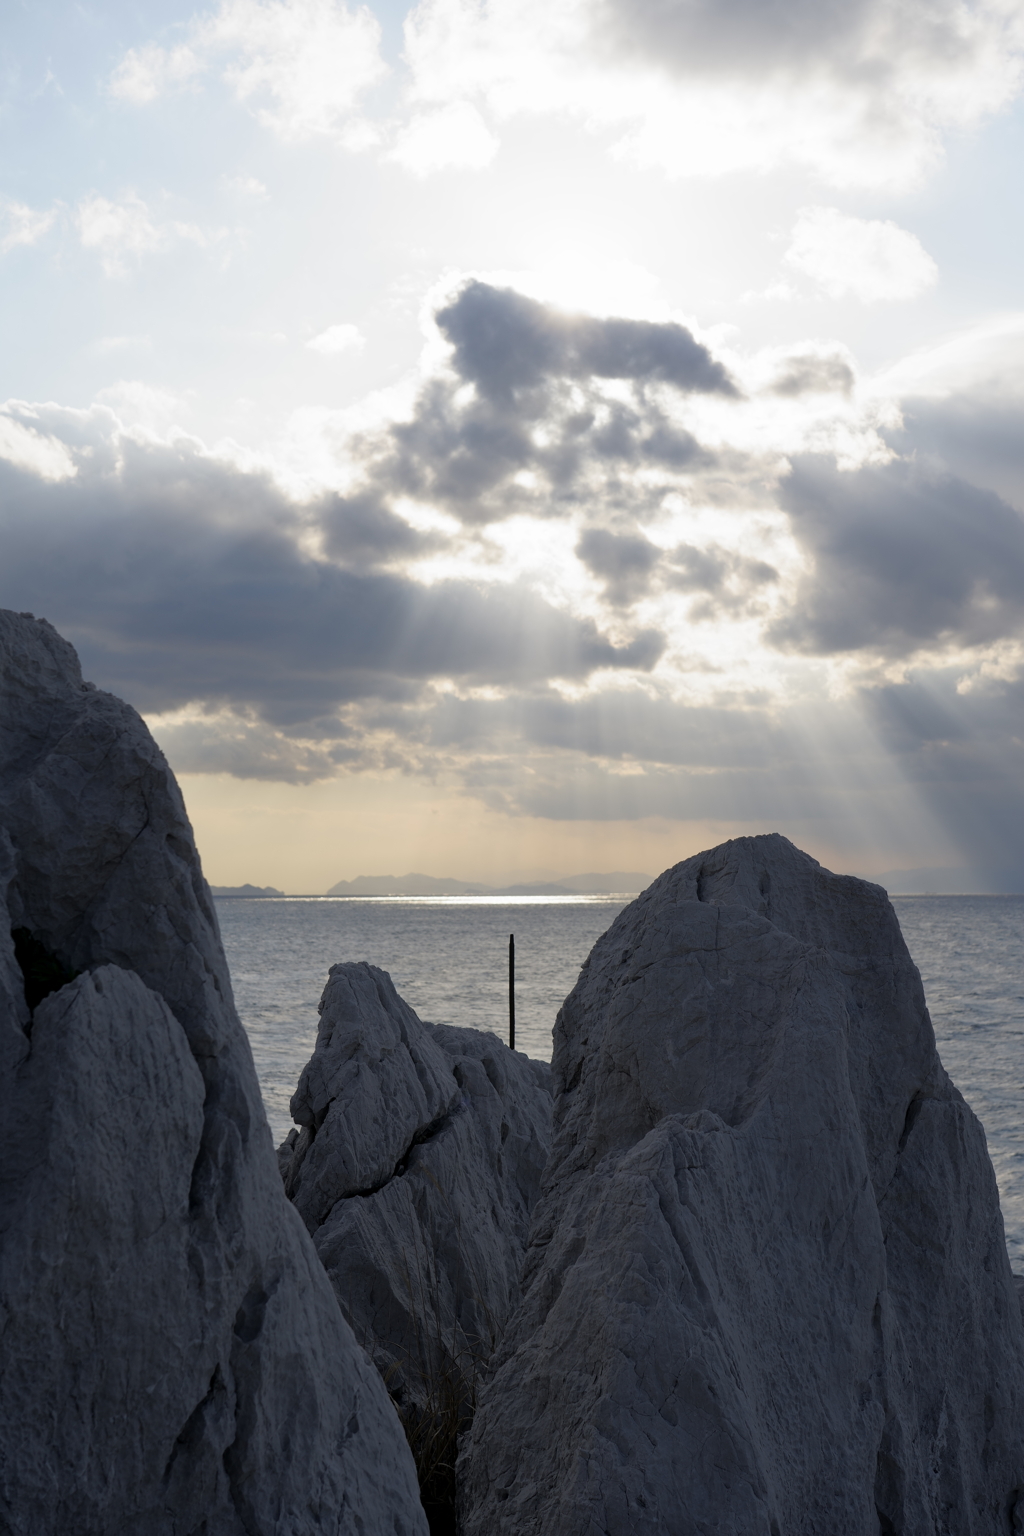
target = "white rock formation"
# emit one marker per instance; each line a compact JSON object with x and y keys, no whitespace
{"x":767,"y":1291}
{"x":173,"y":1360}
{"x":416,"y":1170}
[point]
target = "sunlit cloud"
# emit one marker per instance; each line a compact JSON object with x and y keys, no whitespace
{"x":454,"y":135}
{"x":118,"y":231}
{"x":148,"y":72}
{"x":247,"y":186}
{"x":121,"y":233}
{"x":300,"y":65}
{"x":986,"y":355}
{"x":858,"y":94}
{"x":335,"y":339}
{"x":866,"y":259}
{"x":22,"y":225}
{"x":37,"y":452}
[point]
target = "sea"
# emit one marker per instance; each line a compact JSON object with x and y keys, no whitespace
{"x":448,"y":957}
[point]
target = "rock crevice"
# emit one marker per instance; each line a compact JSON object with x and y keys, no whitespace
{"x":417,"y":1186}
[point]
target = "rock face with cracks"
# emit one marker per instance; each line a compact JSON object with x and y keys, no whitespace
{"x":173,"y":1358}
{"x":416,"y":1169}
{"x":767,"y":1291}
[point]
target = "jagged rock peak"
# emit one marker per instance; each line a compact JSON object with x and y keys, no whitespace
{"x":416,"y":1168}
{"x":174,"y":1360}
{"x":767,"y":1288}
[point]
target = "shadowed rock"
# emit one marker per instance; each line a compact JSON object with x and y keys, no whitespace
{"x":767,"y":1289}
{"x":173,"y":1358}
{"x":416,"y":1168}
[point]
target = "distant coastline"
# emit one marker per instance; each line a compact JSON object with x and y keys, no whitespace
{"x":616,"y":882}
{"x":933,"y":881}
{"x":245,"y":890}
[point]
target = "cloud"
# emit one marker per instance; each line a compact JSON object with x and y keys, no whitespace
{"x":246,"y":747}
{"x":504,"y":341}
{"x":625,"y":754}
{"x":148,"y":72}
{"x":26,"y":447}
{"x":186,"y":582}
{"x":246,"y":186}
{"x":975,"y":434}
{"x":279,"y":639}
{"x":452,"y":135}
{"x":302,"y":65}
{"x":873,"y":38}
{"x":123,"y":232}
{"x":631,"y":566}
{"x":963,"y":754}
{"x":809,"y":372}
{"x":543,"y":407}
{"x":729,"y":581}
{"x":903,"y":560}
{"x":361,"y":531}
{"x":625,"y":562}
{"x":859,"y":94}
{"x":22,"y":225}
{"x":338,"y":338}
{"x":865,"y":259}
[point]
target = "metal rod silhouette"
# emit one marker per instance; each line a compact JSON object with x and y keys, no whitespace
{"x":511,"y":991}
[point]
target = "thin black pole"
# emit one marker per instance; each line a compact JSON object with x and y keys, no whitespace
{"x":511,"y":991}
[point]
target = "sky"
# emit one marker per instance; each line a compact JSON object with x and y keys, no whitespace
{"x":504,"y":440}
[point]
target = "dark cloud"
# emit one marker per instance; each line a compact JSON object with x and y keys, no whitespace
{"x":963,"y":751}
{"x":824,"y":769}
{"x":181,"y":579}
{"x":821,"y":770}
{"x":361,"y":530}
{"x":470,"y":456}
{"x":538,"y":433}
{"x":623,"y":561}
{"x":621,"y":725}
{"x":627,"y":756}
{"x":185,"y":580}
{"x":505,"y":342}
{"x":630,"y":564}
{"x":978,"y":436}
{"x":541,"y":432}
{"x":668,"y":445}
{"x":807,"y":373}
{"x":862,"y":41}
{"x":304,"y":648}
{"x":728,"y":580}
{"x":458,"y":454}
{"x":902,"y":558}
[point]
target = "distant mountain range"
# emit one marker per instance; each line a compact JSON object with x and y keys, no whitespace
{"x":931,"y":881}
{"x":245,"y":890}
{"x":616,"y":882}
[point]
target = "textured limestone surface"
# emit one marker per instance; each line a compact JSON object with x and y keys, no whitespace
{"x":173,"y":1358}
{"x":416,"y":1168}
{"x":767,"y":1291}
